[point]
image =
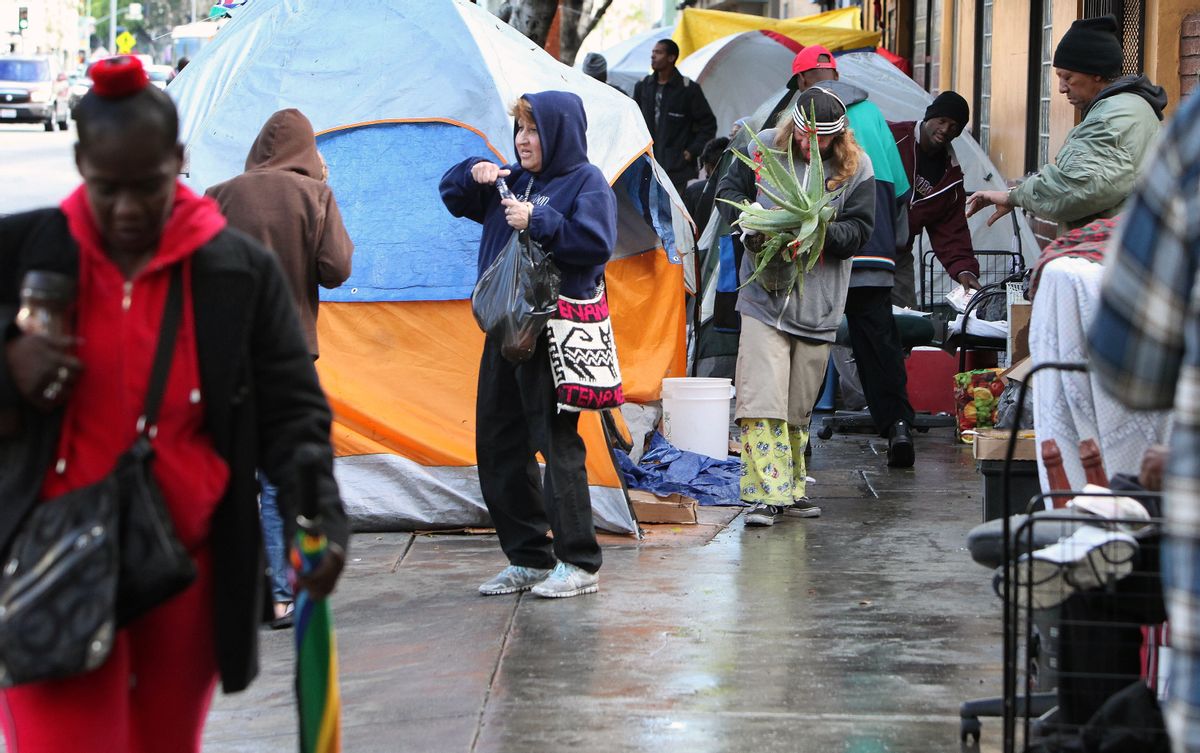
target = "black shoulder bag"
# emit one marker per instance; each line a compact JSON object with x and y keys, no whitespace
{"x":90,"y":561}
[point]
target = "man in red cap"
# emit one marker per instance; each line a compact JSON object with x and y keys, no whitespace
{"x":813,"y":58}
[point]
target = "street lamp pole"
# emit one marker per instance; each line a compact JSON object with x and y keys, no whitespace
{"x":112,"y":27}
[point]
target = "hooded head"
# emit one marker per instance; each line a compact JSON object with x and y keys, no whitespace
{"x":561,"y":128}
{"x":596,"y":66}
{"x":286,"y":142}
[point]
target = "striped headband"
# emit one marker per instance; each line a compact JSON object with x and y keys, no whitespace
{"x":824,"y":127}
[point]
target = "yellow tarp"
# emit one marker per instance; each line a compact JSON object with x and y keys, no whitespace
{"x":835,"y":29}
{"x":401,"y":377}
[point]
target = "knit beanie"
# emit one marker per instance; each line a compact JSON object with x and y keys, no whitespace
{"x":951,"y":105}
{"x":1092,"y":46}
{"x":596,"y":66}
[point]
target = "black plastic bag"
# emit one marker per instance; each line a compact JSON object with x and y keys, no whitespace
{"x":1006,"y":407}
{"x":516,"y":296}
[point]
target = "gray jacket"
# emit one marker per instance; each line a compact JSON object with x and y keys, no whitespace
{"x":816,"y":313}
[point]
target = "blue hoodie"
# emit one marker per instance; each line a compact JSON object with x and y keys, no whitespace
{"x":575,"y":210}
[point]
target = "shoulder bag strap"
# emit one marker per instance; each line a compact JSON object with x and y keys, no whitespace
{"x":162,"y":354}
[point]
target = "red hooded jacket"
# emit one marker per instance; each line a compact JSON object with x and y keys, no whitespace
{"x":118,"y":323}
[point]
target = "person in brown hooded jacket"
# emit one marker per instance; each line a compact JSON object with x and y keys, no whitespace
{"x":283,"y":202}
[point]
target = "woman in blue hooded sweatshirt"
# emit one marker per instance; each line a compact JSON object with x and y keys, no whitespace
{"x":570,"y":210}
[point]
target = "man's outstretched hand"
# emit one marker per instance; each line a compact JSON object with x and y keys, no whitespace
{"x":983,"y":199}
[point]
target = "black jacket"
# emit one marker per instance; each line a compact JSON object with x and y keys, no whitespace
{"x":263,"y":400}
{"x":685,"y":123}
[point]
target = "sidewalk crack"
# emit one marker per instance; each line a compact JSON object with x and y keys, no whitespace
{"x":866,"y":478}
{"x":487,"y":696}
{"x":412,"y":537}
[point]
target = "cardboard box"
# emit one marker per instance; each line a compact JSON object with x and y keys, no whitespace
{"x":1018,"y":330}
{"x":992,"y":444}
{"x":1019,"y":371}
{"x":673,"y":508}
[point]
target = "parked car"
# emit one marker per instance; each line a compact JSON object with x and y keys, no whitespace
{"x":32,"y":90}
{"x":80,"y":85}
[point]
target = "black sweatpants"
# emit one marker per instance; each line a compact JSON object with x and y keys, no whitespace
{"x":516,"y":416}
{"x":875,"y":339}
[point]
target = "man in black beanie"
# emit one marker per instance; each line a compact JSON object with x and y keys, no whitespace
{"x":1097,"y":166}
{"x":938,"y":198}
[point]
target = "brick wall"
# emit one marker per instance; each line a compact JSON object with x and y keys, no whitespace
{"x":1044,"y":230}
{"x":1189,"y":53}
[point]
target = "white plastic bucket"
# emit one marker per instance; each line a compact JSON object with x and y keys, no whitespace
{"x":696,"y":414}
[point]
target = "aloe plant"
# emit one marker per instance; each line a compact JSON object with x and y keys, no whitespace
{"x":795,"y":230}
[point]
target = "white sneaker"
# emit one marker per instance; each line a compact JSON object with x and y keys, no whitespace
{"x":513,"y":579}
{"x":1088,"y":558}
{"x":567,"y":580}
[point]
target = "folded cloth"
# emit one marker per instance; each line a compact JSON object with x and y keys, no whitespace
{"x":1110,"y":507}
{"x":978,"y":327}
{"x":1088,"y":558}
{"x":1087,"y":242}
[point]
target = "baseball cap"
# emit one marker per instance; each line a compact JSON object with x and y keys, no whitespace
{"x":810,"y":58}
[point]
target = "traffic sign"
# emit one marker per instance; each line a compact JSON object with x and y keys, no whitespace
{"x":125,"y":43}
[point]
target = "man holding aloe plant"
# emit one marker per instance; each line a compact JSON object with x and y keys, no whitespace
{"x":804,"y":200}
{"x":874,"y":336}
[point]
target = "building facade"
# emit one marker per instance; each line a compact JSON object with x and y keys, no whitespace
{"x":997,"y":54}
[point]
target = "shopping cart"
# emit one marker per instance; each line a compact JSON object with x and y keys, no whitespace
{"x":1082,"y":616}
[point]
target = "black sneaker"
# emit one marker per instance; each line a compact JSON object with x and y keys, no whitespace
{"x":802,"y":508}
{"x":900,"y":446}
{"x":763,"y":515}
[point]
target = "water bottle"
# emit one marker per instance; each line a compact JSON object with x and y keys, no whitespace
{"x":502,"y":187}
{"x":46,"y":299}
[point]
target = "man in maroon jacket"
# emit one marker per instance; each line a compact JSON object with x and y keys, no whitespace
{"x":938,"y":203}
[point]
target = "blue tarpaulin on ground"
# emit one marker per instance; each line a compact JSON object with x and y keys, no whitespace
{"x":666,"y":469}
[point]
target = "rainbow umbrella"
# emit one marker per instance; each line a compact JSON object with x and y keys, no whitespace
{"x":317,"y":697}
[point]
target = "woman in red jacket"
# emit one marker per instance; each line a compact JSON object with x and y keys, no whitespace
{"x":123,"y":233}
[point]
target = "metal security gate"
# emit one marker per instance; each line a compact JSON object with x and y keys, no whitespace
{"x":1131,"y":20}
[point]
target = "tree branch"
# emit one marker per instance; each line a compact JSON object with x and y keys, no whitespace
{"x":595,"y":20}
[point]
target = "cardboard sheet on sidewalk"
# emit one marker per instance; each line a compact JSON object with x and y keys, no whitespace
{"x":649,"y":507}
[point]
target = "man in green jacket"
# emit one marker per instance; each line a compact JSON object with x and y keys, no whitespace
{"x":1095,"y":170}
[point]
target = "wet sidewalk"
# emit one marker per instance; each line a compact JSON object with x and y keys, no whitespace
{"x":860,"y":631}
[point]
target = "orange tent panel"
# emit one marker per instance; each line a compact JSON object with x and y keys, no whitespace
{"x":401,"y":377}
